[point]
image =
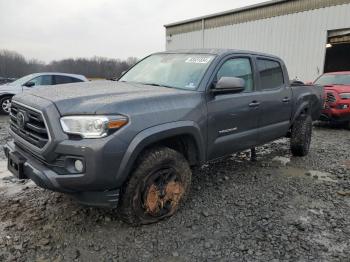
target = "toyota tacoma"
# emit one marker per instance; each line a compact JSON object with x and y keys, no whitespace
{"x":131,"y":144}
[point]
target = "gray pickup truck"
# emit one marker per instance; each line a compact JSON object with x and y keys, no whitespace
{"x":131,"y":144}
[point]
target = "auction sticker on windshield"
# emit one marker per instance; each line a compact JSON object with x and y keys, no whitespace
{"x":198,"y":60}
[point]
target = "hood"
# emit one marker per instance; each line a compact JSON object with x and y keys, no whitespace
{"x":10,"y":88}
{"x":338,"y":88}
{"x":105,"y":97}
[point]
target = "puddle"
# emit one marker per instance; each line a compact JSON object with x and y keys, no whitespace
{"x":323,"y":176}
{"x":318,"y":175}
{"x":280,"y":161}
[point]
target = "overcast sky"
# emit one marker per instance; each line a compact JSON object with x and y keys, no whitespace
{"x":56,"y":29}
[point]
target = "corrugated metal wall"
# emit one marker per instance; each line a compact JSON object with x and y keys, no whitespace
{"x":264,"y":10}
{"x":298,"y":38}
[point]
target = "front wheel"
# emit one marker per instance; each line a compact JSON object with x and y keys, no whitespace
{"x":156,"y":188}
{"x":5,"y":105}
{"x":301,"y":135}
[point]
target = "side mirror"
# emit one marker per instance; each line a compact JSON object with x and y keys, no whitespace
{"x":229,"y":85}
{"x":29,"y":84}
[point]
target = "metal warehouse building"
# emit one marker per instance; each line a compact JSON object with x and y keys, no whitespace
{"x":312,"y":36}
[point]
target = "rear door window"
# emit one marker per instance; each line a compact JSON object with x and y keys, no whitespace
{"x":271,"y":74}
{"x":66,"y":80}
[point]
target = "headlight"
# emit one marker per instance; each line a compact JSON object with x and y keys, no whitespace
{"x":344,"y":95}
{"x":92,"y":126}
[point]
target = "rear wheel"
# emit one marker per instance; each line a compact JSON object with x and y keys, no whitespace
{"x":5,"y":104}
{"x":301,"y":135}
{"x":157,"y":187}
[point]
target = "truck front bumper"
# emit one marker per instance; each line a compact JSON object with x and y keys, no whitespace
{"x":45,"y":177}
{"x":336,"y":114}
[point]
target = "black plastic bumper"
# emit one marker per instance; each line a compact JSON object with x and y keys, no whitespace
{"x":48,"y":179}
{"x":332,"y":118}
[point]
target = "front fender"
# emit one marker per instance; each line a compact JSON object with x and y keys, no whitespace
{"x":6,"y":94}
{"x":154,"y":134}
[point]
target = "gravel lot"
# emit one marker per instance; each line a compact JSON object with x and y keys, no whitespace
{"x":279,"y":208}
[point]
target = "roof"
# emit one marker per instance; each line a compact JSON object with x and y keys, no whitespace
{"x":245,"y":8}
{"x":214,"y":51}
{"x":58,"y":73}
{"x":259,"y":11}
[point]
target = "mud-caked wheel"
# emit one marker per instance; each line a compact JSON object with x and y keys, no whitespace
{"x":156,"y":188}
{"x":301,"y":133}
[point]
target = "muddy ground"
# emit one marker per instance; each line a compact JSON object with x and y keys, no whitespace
{"x":279,"y":208}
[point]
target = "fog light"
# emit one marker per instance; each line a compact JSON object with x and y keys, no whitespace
{"x":343,"y":106}
{"x":79,"y":166}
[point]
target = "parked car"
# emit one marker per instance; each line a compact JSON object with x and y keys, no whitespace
{"x":337,"y":97}
{"x":131,"y":143}
{"x":25,"y":83}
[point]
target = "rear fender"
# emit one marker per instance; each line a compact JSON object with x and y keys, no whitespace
{"x":302,"y":108}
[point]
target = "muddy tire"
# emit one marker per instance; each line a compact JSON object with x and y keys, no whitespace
{"x":5,"y":103}
{"x":156,"y":188}
{"x":301,"y":136}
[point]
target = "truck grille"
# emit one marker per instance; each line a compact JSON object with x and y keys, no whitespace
{"x":29,"y":124}
{"x":330,"y":98}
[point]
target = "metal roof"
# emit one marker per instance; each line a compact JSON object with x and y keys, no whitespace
{"x":245,"y":8}
{"x":250,"y":13}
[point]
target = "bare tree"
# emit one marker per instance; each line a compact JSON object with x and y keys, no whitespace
{"x":13,"y":64}
{"x":132,"y":60}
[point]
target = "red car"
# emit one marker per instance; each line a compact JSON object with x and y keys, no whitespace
{"x":337,"y":96}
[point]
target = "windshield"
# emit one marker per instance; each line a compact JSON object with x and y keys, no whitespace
{"x":183,"y":71}
{"x":21,"y":81}
{"x":333,"y":80}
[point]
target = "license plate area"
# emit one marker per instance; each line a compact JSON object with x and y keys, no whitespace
{"x":15,"y":164}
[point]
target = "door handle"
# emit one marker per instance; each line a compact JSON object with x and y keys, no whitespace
{"x":285,"y":100}
{"x":254,"y":104}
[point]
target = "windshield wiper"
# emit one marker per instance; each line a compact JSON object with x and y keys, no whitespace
{"x":155,"y":84}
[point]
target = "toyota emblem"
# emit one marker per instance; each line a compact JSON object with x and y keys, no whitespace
{"x":21,"y":120}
